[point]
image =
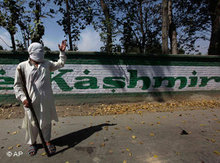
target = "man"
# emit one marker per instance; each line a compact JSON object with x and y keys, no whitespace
{"x":38,"y":83}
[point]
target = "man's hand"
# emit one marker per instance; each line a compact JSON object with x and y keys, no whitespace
{"x":26,"y":103}
{"x":62,"y":47}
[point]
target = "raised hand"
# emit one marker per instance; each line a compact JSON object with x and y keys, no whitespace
{"x":62,"y":47}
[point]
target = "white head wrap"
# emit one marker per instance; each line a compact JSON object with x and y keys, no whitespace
{"x":36,"y":52}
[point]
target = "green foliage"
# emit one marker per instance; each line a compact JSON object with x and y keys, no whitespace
{"x":192,"y":20}
{"x":76,"y":15}
{"x":37,"y":31}
{"x":124,"y":25}
{"x":9,"y":16}
{"x":46,"y":49}
{"x":38,"y":10}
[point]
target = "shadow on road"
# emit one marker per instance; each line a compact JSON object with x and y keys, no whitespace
{"x":72,"y":139}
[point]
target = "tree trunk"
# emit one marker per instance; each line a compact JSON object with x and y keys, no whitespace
{"x":38,"y":11}
{"x":13,"y":41}
{"x":142,"y":47}
{"x":172,"y":30}
{"x":214,"y":9}
{"x":165,"y":27}
{"x":69,"y":26}
{"x":108,"y":26}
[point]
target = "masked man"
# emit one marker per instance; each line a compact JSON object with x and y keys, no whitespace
{"x":37,"y":75}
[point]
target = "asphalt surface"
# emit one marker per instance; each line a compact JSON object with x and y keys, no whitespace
{"x":162,"y":137}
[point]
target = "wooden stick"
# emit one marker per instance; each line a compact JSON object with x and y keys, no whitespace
{"x":23,"y":82}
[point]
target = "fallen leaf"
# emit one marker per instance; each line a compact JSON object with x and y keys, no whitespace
{"x":106,"y":128}
{"x":142,"y":122}
{"x":43,"y":154}
{"x":124,"y":161}
{"x":18,"y":145}
{"x":67,"y":162}
{"x":127,"y":149}
{"x":155,"y":156}
{"x":91,"y":143}
{"x":102,"y":145}
{"x":158,"y":123}
{"x":129,"y":128}
{"x":202,"y":125}
{"x":152,"y":134}
{"x":217,"y":152}
{"x":9,"y":148}
{"x":133,"y":137}
{"x":14,"y":133}
{"x":130,"y":154}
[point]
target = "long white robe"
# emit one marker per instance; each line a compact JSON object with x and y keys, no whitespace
{"x":38,"y":83}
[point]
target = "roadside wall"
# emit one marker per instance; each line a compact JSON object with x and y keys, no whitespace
{"x":99,"y":77}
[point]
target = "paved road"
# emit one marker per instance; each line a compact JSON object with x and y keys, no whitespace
{"x":150,"y":137}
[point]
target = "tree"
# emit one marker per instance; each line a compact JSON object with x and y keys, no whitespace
{"x":140,"y":23}
{"x":104,"y":13}
{"x":127,"y":39}
{"x":172,"y":29}
{"x":76,"y":15}
{"x":36,"y":6}
{"x":214,"y":10}
{"x":9,"y":16}
{"x":108,"y":24}
{"x":165,"y":27}
{"x":192,"y":21}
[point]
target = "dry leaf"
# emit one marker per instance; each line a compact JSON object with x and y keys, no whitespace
{"x":14,"y":133}
{"x":106,"y":128}
{"x":130,"y":154}
{"x":43,"y":154}
{"x":124,"y":161}
{"x":18,"y":145}
{"x":9,"y":148}
{"x":142,"y":122}
{"x":127,"y":149}
{"x":155,"y":156}
{"x":133,"y":137}
{"x":152,"y":134}
{"x":213,"y":140}
{"x":91,"y":143}
{"x":141,"y":142}
{"x":102,"y":145}
{"x":217,"y":152}
{"x":129,"y":128}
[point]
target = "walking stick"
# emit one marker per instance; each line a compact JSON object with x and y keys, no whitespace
{"x":23,"y":82}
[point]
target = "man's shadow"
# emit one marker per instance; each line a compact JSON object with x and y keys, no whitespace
{"x":72,"y":139}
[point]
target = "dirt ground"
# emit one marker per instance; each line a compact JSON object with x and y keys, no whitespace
{"x":197,"y":102}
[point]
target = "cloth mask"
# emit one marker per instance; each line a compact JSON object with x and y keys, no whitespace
{"x":36,"y":52}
